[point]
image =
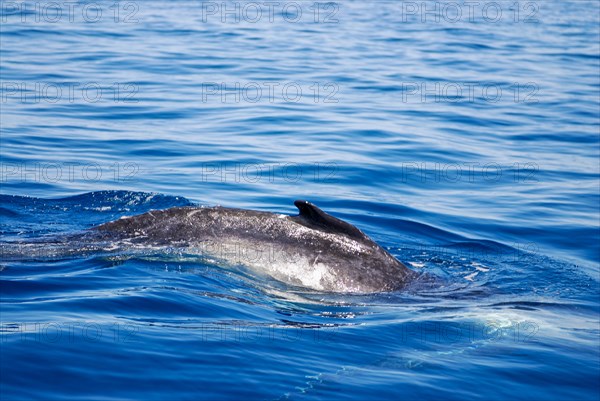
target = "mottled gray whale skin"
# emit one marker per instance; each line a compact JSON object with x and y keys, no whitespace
{"x":312,"y":249}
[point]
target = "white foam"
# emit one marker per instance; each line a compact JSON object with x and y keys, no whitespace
{"x":471,"y":276}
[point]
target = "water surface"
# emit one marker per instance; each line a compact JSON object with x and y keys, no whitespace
{"x":468,"y":148}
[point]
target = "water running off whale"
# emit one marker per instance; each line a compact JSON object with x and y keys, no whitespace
{"x":313,"y":249}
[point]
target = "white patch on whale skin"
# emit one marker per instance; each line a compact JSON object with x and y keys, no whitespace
{"x":316,"y":276}
{"x":190,"y":214}
{"x":343,"y":242}
{"x":293,"y":268}
{"x":303,"y":271}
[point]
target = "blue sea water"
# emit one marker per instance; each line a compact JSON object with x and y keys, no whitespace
{"x":464,"y":139}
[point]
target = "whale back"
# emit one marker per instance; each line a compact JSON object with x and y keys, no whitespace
{"x":326,"y":253}
{"x":312,"y":217}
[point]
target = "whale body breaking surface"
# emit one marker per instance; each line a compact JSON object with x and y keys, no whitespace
{"x":313,"y":249}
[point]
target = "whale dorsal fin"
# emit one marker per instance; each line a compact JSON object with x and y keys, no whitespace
{"x":316,"y":218}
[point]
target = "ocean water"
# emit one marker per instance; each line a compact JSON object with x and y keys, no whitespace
{"x":463,"y":138}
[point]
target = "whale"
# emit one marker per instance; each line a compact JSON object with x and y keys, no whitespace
{"x":312,"y":249}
